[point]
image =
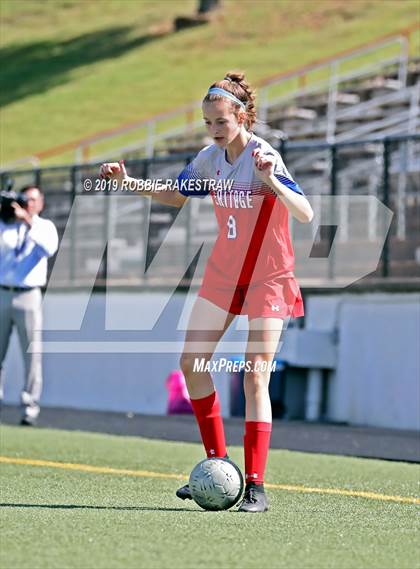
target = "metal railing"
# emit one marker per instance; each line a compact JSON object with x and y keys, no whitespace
{"x":134,"y":230}
{"x":334,"y":76}
{"x":272,"y":92}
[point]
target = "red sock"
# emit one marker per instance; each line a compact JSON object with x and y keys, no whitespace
{"x":210,"y":422}
{"x":256,"y":445}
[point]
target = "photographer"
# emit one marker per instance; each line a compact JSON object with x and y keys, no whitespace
{"x":26,"y":242}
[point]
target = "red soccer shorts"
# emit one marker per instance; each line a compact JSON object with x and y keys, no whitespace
{"x":279,"y":297}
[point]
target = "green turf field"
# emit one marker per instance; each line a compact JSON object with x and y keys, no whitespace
{"x":71,"y":68}
{"x":111,"y":504}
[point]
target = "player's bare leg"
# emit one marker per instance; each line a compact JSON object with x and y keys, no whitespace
{"x":206,"y":326}
{"x":263,"y":339}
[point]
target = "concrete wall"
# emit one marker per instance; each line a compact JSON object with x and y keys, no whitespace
{"x":376,"y":381}
{"x":107,"y":369}
{"x":378,"y":372}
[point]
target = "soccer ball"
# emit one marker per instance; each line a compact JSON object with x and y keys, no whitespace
{"x":216,"y":484}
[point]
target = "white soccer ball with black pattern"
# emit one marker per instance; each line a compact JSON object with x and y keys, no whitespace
{"x":216,"y":484}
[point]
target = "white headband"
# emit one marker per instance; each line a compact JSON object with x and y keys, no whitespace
{"x":223,"y":93}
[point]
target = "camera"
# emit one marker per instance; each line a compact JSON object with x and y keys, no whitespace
{"x":7,"y":197}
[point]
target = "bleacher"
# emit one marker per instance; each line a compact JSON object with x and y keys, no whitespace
{"x":373,"y":107}
{"x":377,"y":105}
{"x":307,"y":123}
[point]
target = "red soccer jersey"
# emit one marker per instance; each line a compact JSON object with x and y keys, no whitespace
{"x":253,"y":244}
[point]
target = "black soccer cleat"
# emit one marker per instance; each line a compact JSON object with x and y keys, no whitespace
{"x":184,"y":492}
{"x":254,"y":500}
{"x":27,"y":421}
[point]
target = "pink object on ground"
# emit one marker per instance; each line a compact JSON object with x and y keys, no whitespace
{"x":178,"y":399}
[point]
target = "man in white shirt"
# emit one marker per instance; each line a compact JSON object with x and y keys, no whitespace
{"x":26,"y":242}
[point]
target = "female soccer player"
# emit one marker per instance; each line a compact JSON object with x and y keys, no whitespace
{"x":249,"y":271}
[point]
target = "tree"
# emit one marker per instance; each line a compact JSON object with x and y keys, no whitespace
{"x":203,"y":15}
{"x":205,"y":6}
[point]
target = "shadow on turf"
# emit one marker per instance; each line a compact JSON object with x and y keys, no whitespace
{"x":84,"y":507}
{"x":36,"y":67}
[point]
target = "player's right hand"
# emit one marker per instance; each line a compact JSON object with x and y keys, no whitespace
{"x":113,"y":170}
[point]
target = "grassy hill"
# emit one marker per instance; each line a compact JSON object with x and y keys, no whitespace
{"x":72,"y":68}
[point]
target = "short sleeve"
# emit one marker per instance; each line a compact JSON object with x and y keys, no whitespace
{"x":193,"y":180}
{"x":283,"y":176}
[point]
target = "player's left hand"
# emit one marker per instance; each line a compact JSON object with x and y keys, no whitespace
{"x":264,"y":165}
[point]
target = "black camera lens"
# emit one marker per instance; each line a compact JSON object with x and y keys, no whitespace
{"x":7,"y":212}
